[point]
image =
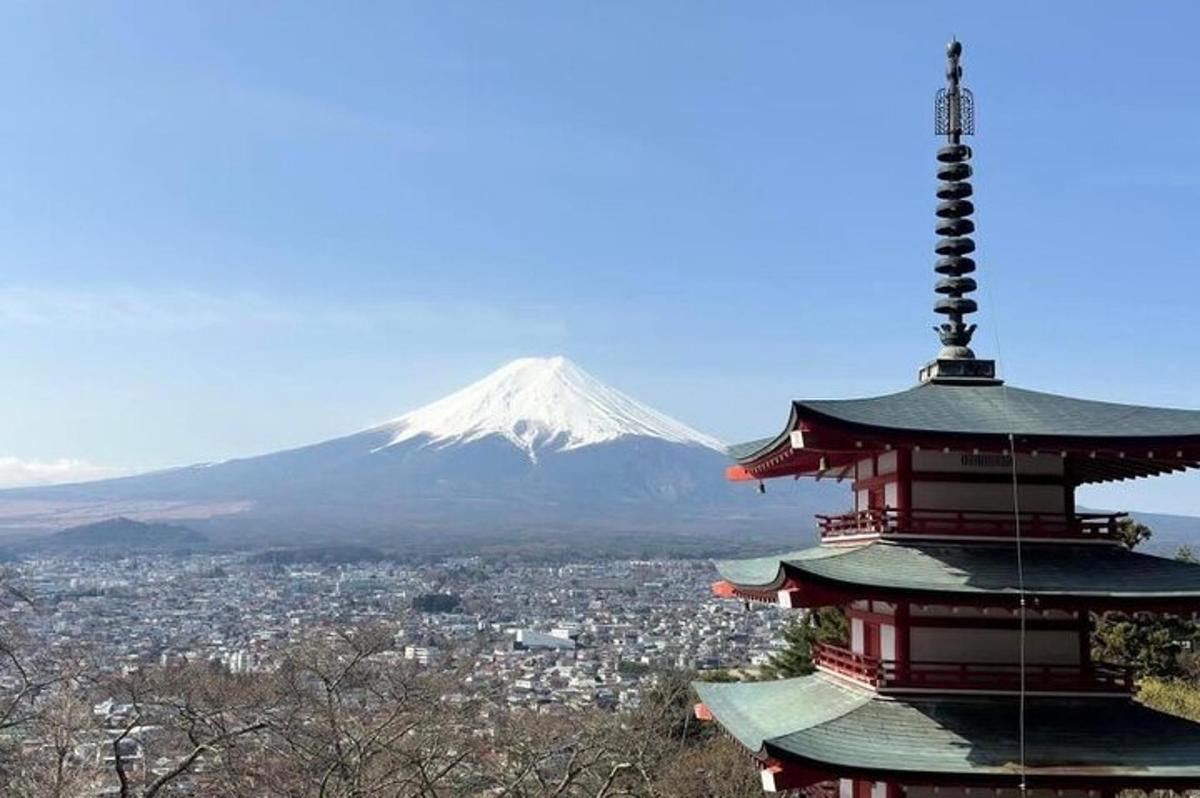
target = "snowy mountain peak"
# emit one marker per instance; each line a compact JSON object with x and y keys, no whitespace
{"x":540,"y":402}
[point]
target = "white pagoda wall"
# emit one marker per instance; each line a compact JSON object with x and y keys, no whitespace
{"x":934,"y":494}
{"x":1042,"y":646}
{"x":992,"y":497}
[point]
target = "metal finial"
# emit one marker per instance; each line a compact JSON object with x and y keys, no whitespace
{"x":955,"y":115}
{"x":954,"y":108}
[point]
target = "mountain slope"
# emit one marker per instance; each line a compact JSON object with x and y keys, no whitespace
{"x":537,"y":445}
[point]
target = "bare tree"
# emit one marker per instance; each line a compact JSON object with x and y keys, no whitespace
{"x":354,"y":720}
{"x":343,"y":716}
{"x":193,"y":719}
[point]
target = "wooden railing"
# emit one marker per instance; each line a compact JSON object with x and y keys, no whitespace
{"x":1039,"y":677}
{"x":845,"y":662}
{"x":1086,"y":526}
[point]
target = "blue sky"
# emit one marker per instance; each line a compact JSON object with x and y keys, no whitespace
{"x":228,"y":227}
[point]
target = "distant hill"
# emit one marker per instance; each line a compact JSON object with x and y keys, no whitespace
{"x":1170,"y":532}
{"x":125,"y":534}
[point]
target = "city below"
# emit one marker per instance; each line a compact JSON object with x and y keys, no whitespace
{"x":552,"y":636}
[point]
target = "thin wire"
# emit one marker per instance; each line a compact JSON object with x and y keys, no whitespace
{"x":1012,"y":449}
{"x":1016,"y":494}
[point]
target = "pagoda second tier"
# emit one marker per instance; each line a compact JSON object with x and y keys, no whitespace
{"x":967,"y":618}
{"x":1055,"y":575}
{"x":815,"y":729}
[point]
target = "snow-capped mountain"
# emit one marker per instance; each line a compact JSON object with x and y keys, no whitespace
{"x":540,"y":402}
{"x":538,"y":444}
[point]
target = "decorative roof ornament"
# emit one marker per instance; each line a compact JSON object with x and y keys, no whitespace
{"x":954,"y":117}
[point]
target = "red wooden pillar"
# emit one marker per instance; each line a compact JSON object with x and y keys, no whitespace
{"x":904,"y":472}
{"x":1069,"y":504}
{"x":903,"y":641}
{"x":904,"y":478}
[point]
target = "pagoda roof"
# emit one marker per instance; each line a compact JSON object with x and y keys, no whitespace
{"x":1054,"y":573}
{"x":938,"y":414}
{"x":821,"y":724}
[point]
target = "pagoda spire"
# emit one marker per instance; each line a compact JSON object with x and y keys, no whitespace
{"x":954,"y":117}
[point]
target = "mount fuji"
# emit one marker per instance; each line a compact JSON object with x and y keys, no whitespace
{"x":537,"y":446}
{"x":540,"y":404}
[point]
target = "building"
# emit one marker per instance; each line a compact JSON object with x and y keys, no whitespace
{"x":528,"y":640}
{"x":422,"y":655}
{"x":966,"y":572}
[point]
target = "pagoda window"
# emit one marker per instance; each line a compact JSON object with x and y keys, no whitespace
{"x":865,"y":469}
{"x":890,"y":497}
{"x":877,"y":482}
{"x":887,"y":638}
{"x":872,"y":635}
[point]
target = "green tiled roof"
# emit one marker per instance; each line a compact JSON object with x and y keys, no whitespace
{"x":740,"y":451}
{"x":774,"y":709}
{"x":936,"y":408}
{"x":768,"y":572}
{"x":816,"y":718}
{"x":1051,"y":569}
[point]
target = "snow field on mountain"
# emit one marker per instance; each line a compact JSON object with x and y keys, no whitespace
{"x":541,"y":402}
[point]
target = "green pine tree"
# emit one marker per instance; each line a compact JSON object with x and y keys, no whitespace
{"x":824,"y":625}
{"x":1132,"y":534}
{"x":1152,"y":644}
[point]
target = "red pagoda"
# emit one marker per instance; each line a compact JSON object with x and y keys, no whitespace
{"x":967,"y":575}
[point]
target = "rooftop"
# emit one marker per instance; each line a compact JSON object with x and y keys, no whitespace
{"x":1055,"y":573}
{"x":1111,"y":441}
{"x":818,"y":722}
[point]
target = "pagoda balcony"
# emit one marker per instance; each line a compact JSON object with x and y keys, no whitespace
{"x":967,"y":523}
{"x":888,"y":675}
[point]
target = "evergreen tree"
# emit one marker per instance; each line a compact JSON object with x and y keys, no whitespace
{"x":824,"y":625}
{"x":1151,"y":644}
{"x":1132,"y":534}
